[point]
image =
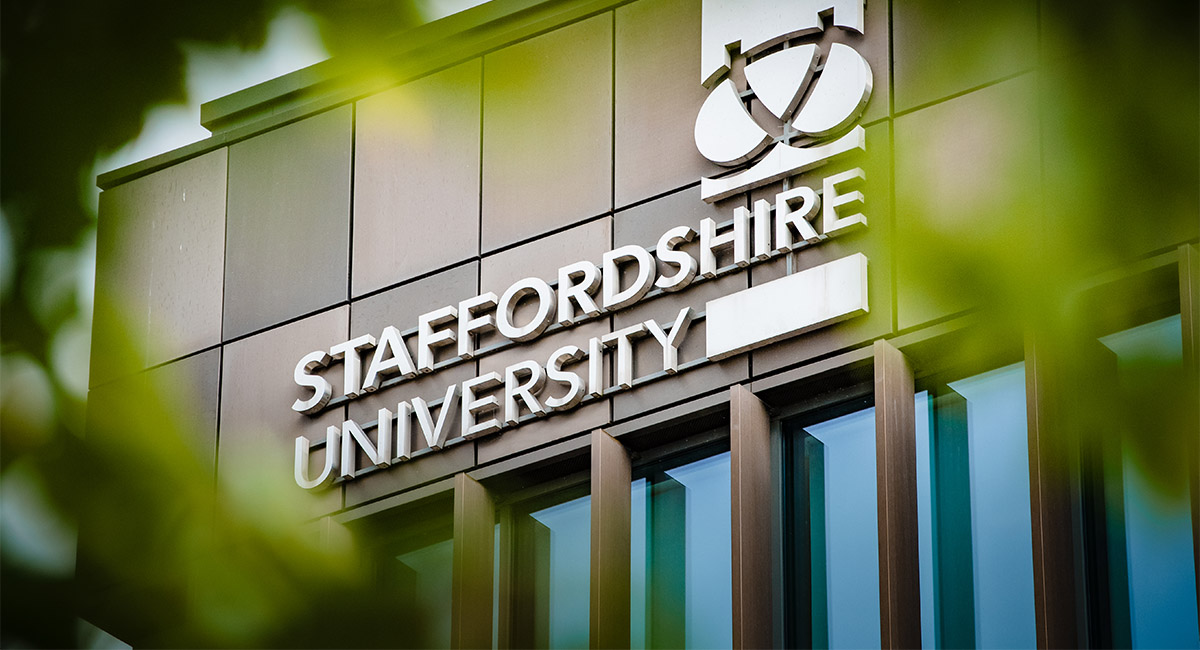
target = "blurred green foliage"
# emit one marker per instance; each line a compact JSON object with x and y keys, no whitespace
{"x":1101,"y":167}
{"x":78,"y":79}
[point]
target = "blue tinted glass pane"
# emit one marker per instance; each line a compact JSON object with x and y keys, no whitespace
{"x":637,"y":565}
{"x":975,"y":535}
{"x":424,"y":577}
{"x":1000,"y":518}
{"x":1157,"y":517}
{"x":564,"y":547}
{"x":925,"y":521}
{"x":845,"y":599}
{"x":681,"y":557}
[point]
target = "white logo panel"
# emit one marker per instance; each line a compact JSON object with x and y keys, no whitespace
{"x":816,"y":95}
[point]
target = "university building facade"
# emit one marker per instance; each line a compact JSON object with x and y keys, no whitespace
{"x":672,"y":323}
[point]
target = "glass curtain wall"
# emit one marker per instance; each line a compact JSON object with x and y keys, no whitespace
{"x":976,"y":551}
{"x":413,"y":565}
{"x":1140,"y":525}
{"x":681,"y":591}
{"x":975,"y":547}
{"x":832,"y":536}
{"x":551,"y":572}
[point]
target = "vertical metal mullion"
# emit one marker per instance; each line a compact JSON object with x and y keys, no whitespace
{"x":610,"y":552}
{"x":952,"y":544}
{"x":1058,"y":603}
{"x":751,"y":494}
{"x":474,"y":538}
{"x":781,"y":531}
{"x":666,"y":562}
{"x":1189,"y":310}
{"x":504,"y":575}
{"x":1189,"y":303}
{"x":896,"y":483}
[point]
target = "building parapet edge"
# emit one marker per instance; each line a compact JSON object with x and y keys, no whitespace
{"x":413,"y":54}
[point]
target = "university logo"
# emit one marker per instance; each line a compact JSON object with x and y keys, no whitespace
{"x":816,"y":94}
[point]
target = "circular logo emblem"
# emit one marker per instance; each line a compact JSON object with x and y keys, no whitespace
{"x":816,"y":96}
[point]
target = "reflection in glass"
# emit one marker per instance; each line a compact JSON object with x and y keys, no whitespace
{"x":975,"y":543}
{"x":681,"y":557}
{"x":419,"y":582}
{"x":1151,"y":562}
{"x":834,"y":535}
{"x":552,"y":575}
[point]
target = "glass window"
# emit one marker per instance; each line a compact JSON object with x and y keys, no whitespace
{"x":976,"y":551}
{"x":552,"y":573}
{"x":1151,"y":567}
{"x":681,"y":557}
{"x":833,"y":532}
{"x":413,"y":556}
{"x":424,"y":577}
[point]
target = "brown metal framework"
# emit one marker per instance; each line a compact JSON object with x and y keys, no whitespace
{"x":1189,"y":309}
{"x":750,"y":479}
{"x":601,"y":461}
{"x":611,"y":479}
{"x":1052,"y":494}
{"x":474,"y":539}
{"x":896,"y":467}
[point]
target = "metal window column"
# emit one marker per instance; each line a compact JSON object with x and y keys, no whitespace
{"x":474,"y":538}
{"x":1189,"y":309}
{"x":610,"y":553}
{"x":896,"y":482}
{"x":750,"y":484}
{"x":1058,"y":603}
